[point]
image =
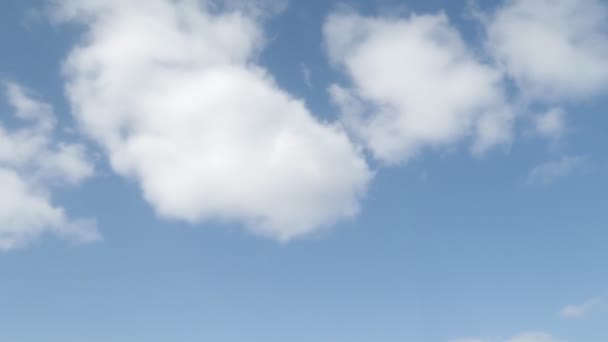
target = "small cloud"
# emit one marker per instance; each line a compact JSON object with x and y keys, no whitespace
{"x":551,"y":171}
{"x":551,"y":124}
{"x":306,"y":74}
{"x":580,"y":310}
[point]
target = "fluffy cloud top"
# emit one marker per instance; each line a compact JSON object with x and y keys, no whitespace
{"x":32,"y":162}
{"x":415,"y":84}
{"x":554,"y":49}
{"x":172,"y":92}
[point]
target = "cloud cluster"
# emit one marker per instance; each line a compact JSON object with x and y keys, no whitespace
{"x":413,"y":83}
{"x":32,"y":163}
{"x":172,"y":92}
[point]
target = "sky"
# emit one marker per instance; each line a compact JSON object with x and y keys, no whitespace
{"x":303,"y":171}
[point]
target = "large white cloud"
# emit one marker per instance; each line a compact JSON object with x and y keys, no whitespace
{"x":554,"y":49}
{"x":32,"y":163}
{"x":414,"y":84}
{"x":172,"y":92}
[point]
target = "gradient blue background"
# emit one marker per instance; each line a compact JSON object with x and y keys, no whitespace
{"x":447,"y":246}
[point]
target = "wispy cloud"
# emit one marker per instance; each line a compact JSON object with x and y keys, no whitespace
{"x":306,"y":74}
{"x":33,"y":162}
{"x":551,"y":124}
{"x":580,"y":310}
{"x":551,"y":171}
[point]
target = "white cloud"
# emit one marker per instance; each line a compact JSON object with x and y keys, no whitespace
{"x":172,"y":92}
{"x":31,"y":164}
{"x":554,"y":49}
{"x":414,"y":84}
{"x":551,"y":124}
{"x":580,"y":310}
{"x":551,"y":171}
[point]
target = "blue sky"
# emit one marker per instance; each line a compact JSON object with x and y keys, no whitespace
{"x":419,"y":171}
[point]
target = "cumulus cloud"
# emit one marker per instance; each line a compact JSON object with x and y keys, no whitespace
{"x":414,"y":84}
{"x":553,"y":49}
{"x":172,"y":92}
{"x":551,"y":171}
{"x":32,"y":163}
{"x":580,"y":310}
